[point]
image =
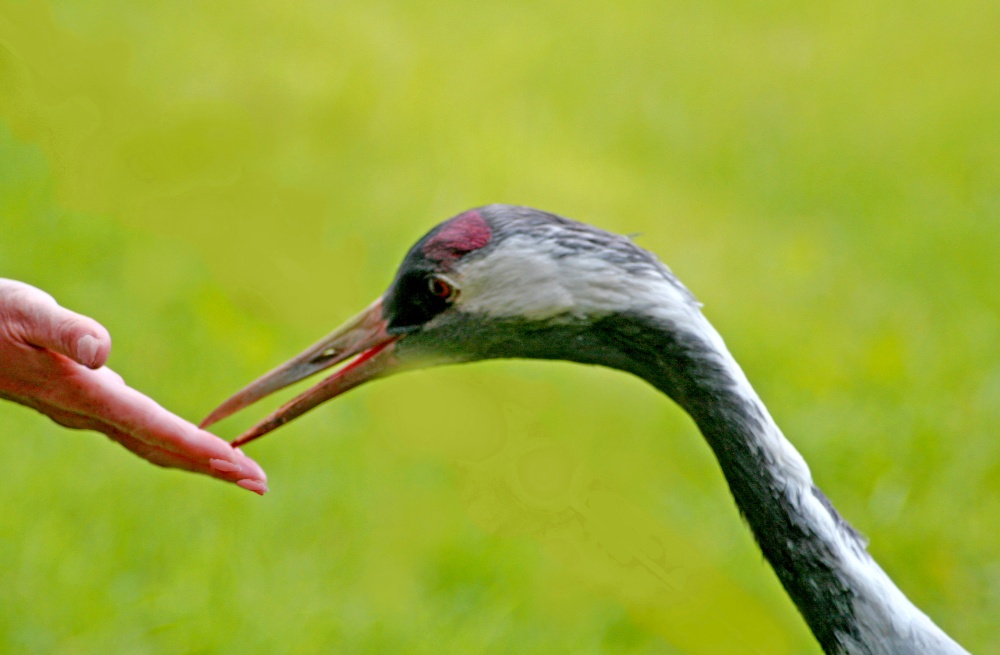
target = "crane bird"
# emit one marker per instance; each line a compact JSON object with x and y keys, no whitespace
{"x":514,"y":282}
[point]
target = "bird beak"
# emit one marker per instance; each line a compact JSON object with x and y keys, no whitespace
{"x":363,"y":336}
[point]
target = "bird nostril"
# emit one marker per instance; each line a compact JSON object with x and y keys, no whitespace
{"x":326,"y":354}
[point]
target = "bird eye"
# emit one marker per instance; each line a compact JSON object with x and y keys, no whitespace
{"x":441,"y":288}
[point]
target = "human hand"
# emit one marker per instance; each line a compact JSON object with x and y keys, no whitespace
{"x":53,"y":359}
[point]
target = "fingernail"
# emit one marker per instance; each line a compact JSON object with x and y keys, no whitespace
{"x":255,"y":486}
{"x":224,"y":465}
{"x":86,"y":350}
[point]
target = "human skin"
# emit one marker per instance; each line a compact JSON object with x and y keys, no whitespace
{"x":52,"y":359}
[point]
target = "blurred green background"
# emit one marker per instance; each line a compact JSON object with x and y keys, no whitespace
{"x":221,"y":183}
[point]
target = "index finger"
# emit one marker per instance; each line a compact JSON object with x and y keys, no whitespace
{"x":103,"y":395}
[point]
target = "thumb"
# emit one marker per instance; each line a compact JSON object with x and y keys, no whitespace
{"x":78,"y":337}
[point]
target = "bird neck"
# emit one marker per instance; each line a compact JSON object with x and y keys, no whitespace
{"x":849,"y":603}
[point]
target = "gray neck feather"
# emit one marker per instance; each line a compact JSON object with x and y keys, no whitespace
{"x":700,"y":379}
{"x":849,"y":603}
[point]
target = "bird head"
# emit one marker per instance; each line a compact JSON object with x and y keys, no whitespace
{"x":497,"y":281}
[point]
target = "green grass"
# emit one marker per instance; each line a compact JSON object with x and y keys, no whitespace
{"x":220,"y":184}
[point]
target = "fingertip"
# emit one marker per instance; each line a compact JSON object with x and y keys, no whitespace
{"x":250,"y":468}
{"x":256,"y":486}
{"x":88,"y":351}
{"x":234,"y":462}
{"x":87,"y":342}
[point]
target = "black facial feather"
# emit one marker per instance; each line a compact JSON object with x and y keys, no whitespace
{"x":409,"y":302}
